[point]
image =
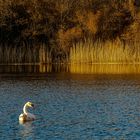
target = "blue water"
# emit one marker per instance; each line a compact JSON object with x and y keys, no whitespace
{"x":71,"y":107}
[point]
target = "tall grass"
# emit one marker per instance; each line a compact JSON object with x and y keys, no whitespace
{"x":24,"y":54}
{"x":109,"y":52}
{"x":82,"y":52}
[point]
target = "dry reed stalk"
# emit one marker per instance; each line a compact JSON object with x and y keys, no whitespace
{"x":24,"y":54}
{"x":109,"y":52}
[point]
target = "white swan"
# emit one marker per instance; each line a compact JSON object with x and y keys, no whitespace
{"x":26,"y":116}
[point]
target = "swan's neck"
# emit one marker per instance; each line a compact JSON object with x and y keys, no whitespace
{"x":25,"y":109}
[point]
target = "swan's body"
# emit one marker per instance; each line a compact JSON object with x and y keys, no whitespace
{"x":26,"y":116}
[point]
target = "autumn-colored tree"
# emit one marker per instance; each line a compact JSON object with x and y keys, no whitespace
{"x":60,"y":23}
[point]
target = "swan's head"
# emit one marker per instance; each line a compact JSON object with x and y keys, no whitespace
{"x":29,"y":104}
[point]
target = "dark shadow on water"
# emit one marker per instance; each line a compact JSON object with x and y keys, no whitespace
{"x":33,"y":68}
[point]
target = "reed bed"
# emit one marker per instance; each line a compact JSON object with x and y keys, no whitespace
{"x":83,"y":52}
{"x":25,"y":54}
{"x":109,"y":52}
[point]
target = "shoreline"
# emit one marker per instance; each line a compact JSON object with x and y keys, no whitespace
{"x":24,"y":64}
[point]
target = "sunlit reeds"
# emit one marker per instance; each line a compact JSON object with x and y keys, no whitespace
{"x":109,"y":52}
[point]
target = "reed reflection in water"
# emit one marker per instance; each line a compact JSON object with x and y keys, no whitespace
{"x":105,"y":69}
{"x":73,"y":68}
{"x":34,"y":68}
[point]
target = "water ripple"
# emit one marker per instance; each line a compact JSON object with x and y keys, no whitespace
{"x":89,"y":107}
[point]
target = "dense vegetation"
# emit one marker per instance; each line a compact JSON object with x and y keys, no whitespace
{"x":61,"y":23}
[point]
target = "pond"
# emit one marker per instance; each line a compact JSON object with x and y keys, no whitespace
{"x":70,"y":105}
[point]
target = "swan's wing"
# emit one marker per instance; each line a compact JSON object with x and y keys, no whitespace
{"x":21,"y":115}
{"x":30,"y":116}
{"x":26,"y":117}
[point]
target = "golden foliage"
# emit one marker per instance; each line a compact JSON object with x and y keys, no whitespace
{"x":88,"y":20}
{"x":66,"y":37}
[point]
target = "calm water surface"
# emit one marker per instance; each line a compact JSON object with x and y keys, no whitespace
{"x":71,"y":106}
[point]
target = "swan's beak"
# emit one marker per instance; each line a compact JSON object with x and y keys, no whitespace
{"x":32,"y":105}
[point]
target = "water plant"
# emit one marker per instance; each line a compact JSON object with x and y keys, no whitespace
{"x":107,"y":52}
